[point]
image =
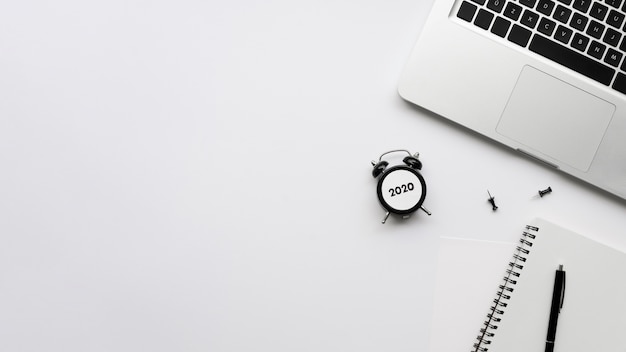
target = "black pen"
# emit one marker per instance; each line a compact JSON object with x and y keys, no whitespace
{"x":558,"y":295}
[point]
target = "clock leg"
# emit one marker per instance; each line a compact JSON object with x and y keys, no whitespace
{"x":386,"y":216}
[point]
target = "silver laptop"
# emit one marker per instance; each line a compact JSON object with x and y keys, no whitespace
{"x":547,"y":78}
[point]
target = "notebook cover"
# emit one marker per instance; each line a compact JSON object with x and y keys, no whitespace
{"x":468,"y":271}
{"x":593,"y":316}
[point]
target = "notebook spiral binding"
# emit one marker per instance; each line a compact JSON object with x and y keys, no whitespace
{"x":504,"y":290}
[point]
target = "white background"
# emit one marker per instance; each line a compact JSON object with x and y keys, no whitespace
{"x":195,"y":176}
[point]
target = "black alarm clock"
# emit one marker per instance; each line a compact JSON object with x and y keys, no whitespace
{"x":401,"y":188}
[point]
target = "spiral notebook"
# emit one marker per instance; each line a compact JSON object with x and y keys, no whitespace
{"x":515,"y":316}
{"x":467,"y":273}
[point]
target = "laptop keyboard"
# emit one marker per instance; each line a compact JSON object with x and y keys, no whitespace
{"x":583,"y":35}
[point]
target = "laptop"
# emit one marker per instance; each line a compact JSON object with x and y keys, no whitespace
{"x":545,"y":77}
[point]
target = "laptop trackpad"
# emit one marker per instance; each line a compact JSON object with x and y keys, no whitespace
{"x":556,"y":119}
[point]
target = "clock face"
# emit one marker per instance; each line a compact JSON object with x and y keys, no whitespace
{"x":401,"y":190}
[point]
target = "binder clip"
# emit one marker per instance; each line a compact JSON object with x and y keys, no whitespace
{"x":401,"y":189}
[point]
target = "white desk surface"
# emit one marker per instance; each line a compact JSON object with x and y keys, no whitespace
{"x":195,"y":176}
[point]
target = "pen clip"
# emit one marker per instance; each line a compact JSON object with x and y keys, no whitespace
{"x":562,"y":289}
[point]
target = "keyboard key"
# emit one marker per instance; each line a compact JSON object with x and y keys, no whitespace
{"x":529,"y":3}
{"x":582,"y":5}
{"x":466,"y":11}
{"x":595,"y":29}
{"x":612,"y":37}
{"x":483,"y":19}
{"x":596,"y":49}
{"x":579,"y":21}
{"x":615,"y":19}
{"x":479,"y":2}
{"x":495,"y":5}
{"x":571,"y":59}
{"x":614,"y":3}
{"x":562,"y":14}
{"x":563,"y":34}
{"x":500,"y":27}
{"x":613,"y":57}
{"x":620,"y":83}
{"x":598,"y":11}
{"x":546,"y":26}
{"x":519,"y":35}
{"x":529,"y":19}
{"x":580,"y":42}
{"x":546,"y":7}
{"x":566,"y":2}
{"x":512,"y":11}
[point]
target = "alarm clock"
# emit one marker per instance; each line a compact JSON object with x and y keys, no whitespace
{"x":401,"y":188}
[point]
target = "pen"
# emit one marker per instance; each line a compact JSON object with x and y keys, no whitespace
{"x":558,"y":295}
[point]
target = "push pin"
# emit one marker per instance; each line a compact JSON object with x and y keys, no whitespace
{"x":492,"y":200}
{"x":545,"y":191}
